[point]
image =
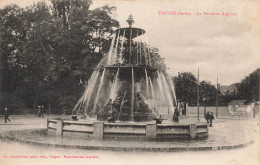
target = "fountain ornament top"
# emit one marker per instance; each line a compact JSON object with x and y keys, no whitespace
{"x":130,"y":20}
{"x":127,"y":82}
{"x":129,"y":46}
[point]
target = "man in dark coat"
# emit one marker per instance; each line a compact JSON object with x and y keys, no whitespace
{"x":6,"y":113}
{"x":42,"y":111}
{"x":207,"y":116}
{"x":211,"y":117}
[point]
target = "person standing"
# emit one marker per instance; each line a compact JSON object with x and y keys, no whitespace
{"x":176,"y":115}
{"x":207,"y":116}
{"x":184,"y":108}
{"x":211,"y":117}
{"x":39,"y":110}
{"x":6,"y":113}
{"x":42,"y":111}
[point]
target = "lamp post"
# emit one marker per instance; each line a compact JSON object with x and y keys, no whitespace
{"x":204,"y":101}
{"x":198,"y":95}
{"x":217,"y":99}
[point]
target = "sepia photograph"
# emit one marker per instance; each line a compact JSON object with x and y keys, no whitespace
{"x":130,"y":82}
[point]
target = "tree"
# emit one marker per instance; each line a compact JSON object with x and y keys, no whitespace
{"x":207,"y":93}
{"x":156,"y":60}
{"x":11,"y":37}
{"x":186,"y":90}
{"x":185,"y":87}
{"x":44,"y":59}
{"x":248,"y":88}
{"x":37,"y":52}
{"x":62,"y":8}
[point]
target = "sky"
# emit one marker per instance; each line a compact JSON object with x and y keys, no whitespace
{"x":219,"y":45}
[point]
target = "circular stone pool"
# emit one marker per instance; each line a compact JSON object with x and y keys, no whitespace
{"x":127,"y":130}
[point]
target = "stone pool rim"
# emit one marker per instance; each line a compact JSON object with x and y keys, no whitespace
{"x":127,"y":130}
{"x":7,"y":136}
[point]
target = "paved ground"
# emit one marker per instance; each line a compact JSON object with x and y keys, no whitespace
{"x":234,"y":131}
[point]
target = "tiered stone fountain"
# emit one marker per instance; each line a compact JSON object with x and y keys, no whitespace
{"x":129,"y":84}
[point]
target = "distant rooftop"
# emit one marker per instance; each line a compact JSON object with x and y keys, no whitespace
{"x":237,"y":102}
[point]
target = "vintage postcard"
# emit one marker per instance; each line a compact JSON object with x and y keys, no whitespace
{"x":130,"y":82}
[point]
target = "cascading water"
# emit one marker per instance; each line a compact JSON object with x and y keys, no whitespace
{"x":121,"y":49}
{"x":159,"y":81}
{"x":144,"y":49}
{"x":172,"y":89}
{"x":153,"y":97}
{"x":114,"y":57}
{"x":99,"y":88}
{"x":132,"y":95}
{"x":114,"y":87}
{"x":167,"y":92}
{"x":80,"y":100}
{"x":121,"y":105}
{"x":148,"y":51}
{"x":89,"y":93}
{"x":127,"y":84}
{"x":146,"y":81}
{"x":111,"y":50}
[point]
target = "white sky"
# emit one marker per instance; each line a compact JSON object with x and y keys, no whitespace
{"x":218,"y":45}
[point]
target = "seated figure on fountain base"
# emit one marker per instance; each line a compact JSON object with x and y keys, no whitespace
{"x":111,"y":116}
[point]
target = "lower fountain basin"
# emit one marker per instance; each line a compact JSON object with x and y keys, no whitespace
{"x":127,"y":130}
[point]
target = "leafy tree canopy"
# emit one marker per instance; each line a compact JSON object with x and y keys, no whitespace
{"x":47,"y":52}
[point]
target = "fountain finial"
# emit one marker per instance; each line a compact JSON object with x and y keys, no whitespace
{"x":130,"y":20}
